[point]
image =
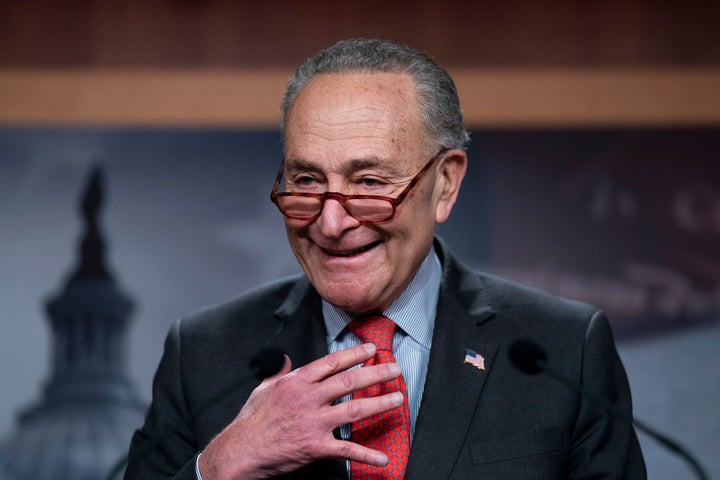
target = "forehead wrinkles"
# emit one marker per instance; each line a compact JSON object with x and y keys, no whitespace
{"x":356,"y":122}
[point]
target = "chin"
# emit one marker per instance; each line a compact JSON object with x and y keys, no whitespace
{"x":344,"y":299}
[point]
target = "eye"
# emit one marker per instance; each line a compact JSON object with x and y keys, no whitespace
{"x":304,"y":180}
{"x":371,"y":182}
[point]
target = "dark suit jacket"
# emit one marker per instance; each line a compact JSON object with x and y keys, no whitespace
{"x":496,"y":423}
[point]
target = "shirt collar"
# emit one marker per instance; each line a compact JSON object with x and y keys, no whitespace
{"x":413,"y":311}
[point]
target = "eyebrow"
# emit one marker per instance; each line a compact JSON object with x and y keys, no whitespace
{"x":299,"y":164}
{"x":353,"y":165}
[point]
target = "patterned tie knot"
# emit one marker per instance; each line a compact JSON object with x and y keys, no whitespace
{"x":375,"y":329}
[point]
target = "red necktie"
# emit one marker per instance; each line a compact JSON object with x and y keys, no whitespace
{"x":389,"y":431}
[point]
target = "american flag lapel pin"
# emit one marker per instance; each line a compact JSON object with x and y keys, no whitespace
{"x":474,"y":359}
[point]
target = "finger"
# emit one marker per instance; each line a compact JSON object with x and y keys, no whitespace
{"x":357,"y":409}
{"x":336,"y":362}
{"x":348,"y":450}
{"x":348,"y":381}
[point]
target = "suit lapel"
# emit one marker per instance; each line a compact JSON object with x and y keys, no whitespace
{"x":303,"y":336}
{"x":452,"y":387}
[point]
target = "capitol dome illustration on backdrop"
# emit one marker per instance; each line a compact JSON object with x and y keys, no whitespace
{"x":83,"y":423}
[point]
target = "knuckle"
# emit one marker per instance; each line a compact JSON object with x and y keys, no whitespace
{"x":361,"y":354}
{"x":345,"y":450}
{"x":347,"y":378}
{"x":331,"y":362}
{"x":353,"y":410}
{"x":291,"y":390}
{"x":285,"y":382}
{"x":382,"y":374}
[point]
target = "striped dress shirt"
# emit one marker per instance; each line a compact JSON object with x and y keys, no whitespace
{"x":414,"y":314}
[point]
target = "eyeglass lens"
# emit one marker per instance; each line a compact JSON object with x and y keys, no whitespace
{"x":365,"y":209}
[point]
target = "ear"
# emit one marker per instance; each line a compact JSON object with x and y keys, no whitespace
{"x":447,"y":184}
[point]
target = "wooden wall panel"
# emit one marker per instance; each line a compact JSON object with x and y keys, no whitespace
{"x":225,"y":62}
{"x":251,"y":98}
{"x":224,"y":33}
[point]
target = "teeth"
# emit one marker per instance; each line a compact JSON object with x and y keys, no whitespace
{"x":350,"y":253}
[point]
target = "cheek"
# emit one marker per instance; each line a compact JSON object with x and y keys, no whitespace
{"x":414,"y":231}
{"x":295,"y":227}
{"x":294,"y":236}
{"x":422,"y":212}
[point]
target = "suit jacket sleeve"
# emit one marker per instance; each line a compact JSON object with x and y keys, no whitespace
{"x":208,"y":353}
{"x":603,"y":446}
{"x":165,"y":447}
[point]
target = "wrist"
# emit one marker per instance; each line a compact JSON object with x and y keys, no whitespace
{"x":222,"y":460}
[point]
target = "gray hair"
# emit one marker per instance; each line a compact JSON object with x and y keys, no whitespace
{"x":439,"y":104}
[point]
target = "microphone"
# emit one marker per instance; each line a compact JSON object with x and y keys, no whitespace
{"x":266,"y":363}
{"x":529,"y":357}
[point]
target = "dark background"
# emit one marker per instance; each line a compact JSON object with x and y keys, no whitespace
{"x":583,"y":180}
{"x":625,"y":219}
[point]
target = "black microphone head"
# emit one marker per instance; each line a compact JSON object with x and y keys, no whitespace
{"x":527,"y":356}
{"x":267,"y":362}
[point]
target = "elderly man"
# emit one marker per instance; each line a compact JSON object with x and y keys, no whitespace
{"x":374,"y":158}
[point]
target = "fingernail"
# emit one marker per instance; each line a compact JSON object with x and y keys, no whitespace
{"x":397,"y":398}
{"x":381,"y":459}
{"x":395,"y":369}
{"x":370,"y":347}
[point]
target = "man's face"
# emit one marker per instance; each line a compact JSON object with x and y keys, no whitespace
{"x":362,"y":134}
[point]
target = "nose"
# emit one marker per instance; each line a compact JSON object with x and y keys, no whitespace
{"x":334,"y":219}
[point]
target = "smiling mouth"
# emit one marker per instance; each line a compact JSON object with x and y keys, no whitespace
{"x":350,"y":253}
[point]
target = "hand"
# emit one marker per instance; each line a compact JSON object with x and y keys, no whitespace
{"x":288,"y":420}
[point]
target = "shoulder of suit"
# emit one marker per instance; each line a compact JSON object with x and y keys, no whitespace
{"x":505,"y":290}
{"x":257,"y":303}
{"x":509,"y":299}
